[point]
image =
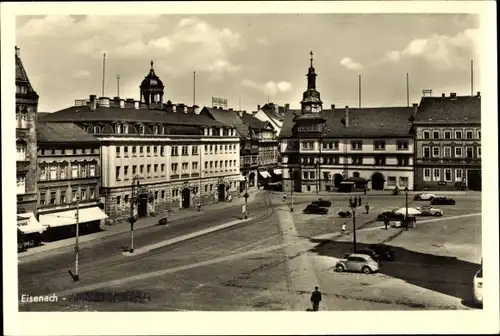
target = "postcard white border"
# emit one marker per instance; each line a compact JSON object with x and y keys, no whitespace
{"x":478,"y":321}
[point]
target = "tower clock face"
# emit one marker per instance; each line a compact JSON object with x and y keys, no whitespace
{"x":308,"y":108}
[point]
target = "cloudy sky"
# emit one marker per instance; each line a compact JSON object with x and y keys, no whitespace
{"x":250,"y":56}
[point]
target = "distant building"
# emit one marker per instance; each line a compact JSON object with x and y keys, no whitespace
{"x":158,"y":156}
{"x":26,"y":167}
{"x":273,"y":114}
{"x":323,"y":147}
{"x":448,"y":143}
{"x":68,"y":178}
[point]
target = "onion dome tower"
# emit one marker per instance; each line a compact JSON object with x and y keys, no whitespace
{"x":152,"y":88}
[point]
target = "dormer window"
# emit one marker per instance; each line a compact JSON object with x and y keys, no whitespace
{"x":162,"y":130}
{"x":141,"y":129}
{"x":125,"y":129}
{"x":97,"y":129}
{"x":118,"y":129}
{"x":155,"y":129}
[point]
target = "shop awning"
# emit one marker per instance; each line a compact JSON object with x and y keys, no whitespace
{"x":27,"y":223}
{"x":264,"y":174}
{"x":241,"y":178}
{"x":69,"y":217}
{"x":278,"y":171}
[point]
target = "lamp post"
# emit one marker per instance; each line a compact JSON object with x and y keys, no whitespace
{"x":406,"y":200}
{"x":291,"y":189}
{"x":246,"y":198}
{"x":76,"y":276}
{"x":353,"y":206}
{"x":132,"y":219}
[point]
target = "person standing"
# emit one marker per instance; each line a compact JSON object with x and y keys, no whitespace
{"x":364,"y":189}
{"x":343,"y":228}
{"x":359,"y":201}
{"x":367,"y":207}
{"x":315,"y":299}
{"x":350,"y":201}
{"x":386,"y":222}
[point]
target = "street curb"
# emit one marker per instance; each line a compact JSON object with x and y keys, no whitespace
{"x":175,"y":240}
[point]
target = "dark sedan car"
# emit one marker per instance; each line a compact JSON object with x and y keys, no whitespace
{"x":442,"y":201}
{"x":314,"y":209}
{"x":322,"y":203}
{"x":390,"y":216}
{"x":383,"y":251}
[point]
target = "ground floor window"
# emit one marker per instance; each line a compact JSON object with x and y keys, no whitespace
{"x":427,"y":174}
{"x":447,"y":175}
{"x":391,"y":181}
{"x":403,"y":181}
{"x":458,"y":175}
{"x":437,"y":174}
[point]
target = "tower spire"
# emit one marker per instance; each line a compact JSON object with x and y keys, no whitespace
{"x":311,"y":53}
{"x":152,"y":63}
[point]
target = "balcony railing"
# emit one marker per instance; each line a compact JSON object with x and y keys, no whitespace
{"x":185,"y":175}
{"x":174,"y":176}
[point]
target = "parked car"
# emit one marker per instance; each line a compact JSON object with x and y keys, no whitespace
{"x":442,"y":201}
{"x":402,"y":223}
{"x":384,"y":252}
{"x":314,"y":209}
{"x":429,"y":211}
{"x":163,"y":221}
{"x":368,"y":252}
{"x":478,"y":287}
{"x":345,"y":214}
{"x":357,"y":263}
{"x":390,"y":216}
{"x":322,"y":202}
{"x":424,"y":197}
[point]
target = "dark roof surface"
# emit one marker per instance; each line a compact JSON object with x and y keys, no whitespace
{"x":22,"y":76}
{"x":83,"y":114}
{"x":224,"y":116}
{"x":363,"y":122}
{"x":253,"y":122}
{"x":62,"y":133}
{"x":270,"y":110}
{"x":446,"y":109}
{"x":41,"y":115}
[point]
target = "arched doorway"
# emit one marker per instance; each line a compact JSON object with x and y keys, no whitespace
{"x":297,"y":183}
{"x":337,"y":179}
{"x":142,"y":205}
{"x":251,"y":179}
{"x":186,"y":198}
{"x":221,"y":191}
{"x":378,"y":181}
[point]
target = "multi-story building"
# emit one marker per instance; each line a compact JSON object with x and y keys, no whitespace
{"x":272,"y":113}
{"x":447,"y":133}
{"x":26,"y":166}
{"x":157,"y":156}
{"x":321,"y":148}
{"x":68,"y":179}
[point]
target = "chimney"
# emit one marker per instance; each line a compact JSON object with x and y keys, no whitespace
{"x":240,"y":113}
{"x":174,"y":108}
{"x":196,"y":109}
{"x":415,"y":108}
{"x":443,"y":95}
{"x":478,"y":94}
{"x":104,"y":101}
{"x":346,"y":116}
{"x":18,"y":52}
{"x":453,"y":95}
{"x":136,"y":104}
{"x":287,"y":108}
{"x":332,"y":107}
{"x":254,"y":113}
{"x":122,"y":102}
{"x":258,"y":107}
{"x":93,"y":102}
{"x":129,"y":103}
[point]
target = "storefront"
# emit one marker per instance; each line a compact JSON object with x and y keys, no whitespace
{"x":62,"y":224}
{"x":29,"y":231}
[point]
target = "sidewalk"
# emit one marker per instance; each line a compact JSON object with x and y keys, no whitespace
{"x":140,"y":224}
{"x":380,"y":193}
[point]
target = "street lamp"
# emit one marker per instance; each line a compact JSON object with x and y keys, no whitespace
{"x":291,"y":188}
{"x":406,"y":197}
{"x":133,"y":219}
{"x":353,"y":205}
{"x":246,"y":197}
{"x":76,"y":276}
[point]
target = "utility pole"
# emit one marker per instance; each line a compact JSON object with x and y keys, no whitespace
{"x":76,"y":276}
{"x":291,"y":188}
{"x":118,"y":85}
{"x":201,"y":171}
{"x":132,"y":218}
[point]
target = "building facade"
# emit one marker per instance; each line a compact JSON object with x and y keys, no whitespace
{"x":447,"y":133}
{"x":68,"y":179}
{"x":322,"y":147}
{"x":157,"y":156}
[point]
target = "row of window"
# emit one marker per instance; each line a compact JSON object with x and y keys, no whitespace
{"x":159,"y":130}
{"x":174,"y":150}
{"x":356,"y":145}
{"x":21,"y":89}
{"x":21,"y":119}
{"x":160,"y":168}
{"x":379,"y":160}
{"x":447,"y":174}
{"x":73,"y":151}
{"x":392,"y":181}
{"x":447,"y":152}
{"x":65,"y":171}
{"x":20,"y":184}
{"x":436,"y":134}
{"x":61,"y":196}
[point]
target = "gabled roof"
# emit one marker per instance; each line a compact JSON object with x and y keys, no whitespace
{"x":363,"y":122}
{"x":62,"y":133}
{"x":270,"y":110}
{"x":254,"y":122}
{"x":113,"y":114}
{"x":447,"y":109}
{"x":224,"y":116}
{"x":22,"y":76}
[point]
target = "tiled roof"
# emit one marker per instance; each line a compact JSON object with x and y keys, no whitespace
{"x":243,"y":130}
{"x":62,"y":133}
{"x":253,"y":122}
{"x":224,"y":116}
{"x":363,"y":122}
{"x":22,"y":76}
{"x":41,"y":115}
{"x":270,"y":110}
{"x":446,"y":109}
{"x":84,"y":114}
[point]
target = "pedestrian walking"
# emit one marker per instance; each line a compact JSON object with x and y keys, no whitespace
{"x":343,"y":228}
{"x":198,"y":206}
{"x":359,"y":201}
{"x":364,"y":189}
{"x":367,"y":207}
{"x":350,"y":201}
{"x":315,"y":299}
{"x":386,"y":223}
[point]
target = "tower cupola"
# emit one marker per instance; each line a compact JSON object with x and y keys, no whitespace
{"x":152,"y":88}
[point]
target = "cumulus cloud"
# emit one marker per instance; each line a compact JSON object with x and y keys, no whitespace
{"x":262,"y":40}
{"x":271,"y":88}
{"x":350,"y":64}
{"x":442,"y":51}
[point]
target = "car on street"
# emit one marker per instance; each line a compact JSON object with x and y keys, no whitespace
{"x":478,"y":287}
{"x":357,"y":263}
{"x":402,"y":223}
{"x":322,"y":202}
{"x":368,"y":252}
{"x":384,"y":252}
{"x":442,"y":201}
{"x":390,"y":216}
{"x":345,"y":214}
{"x":314,"y":209}
{"x":424,"y":197}
{"x":430,"y":211}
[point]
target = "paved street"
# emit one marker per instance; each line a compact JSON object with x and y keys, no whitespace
{"x":271,"y":262}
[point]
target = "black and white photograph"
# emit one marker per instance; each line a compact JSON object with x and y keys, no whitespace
{"x":329,"y":159}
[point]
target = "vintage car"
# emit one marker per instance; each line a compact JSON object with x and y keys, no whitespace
{"x":345,"y":214}
{"x":315,"y":209}
{"x":322,"y":202}
{"x":442,"y":201}
{"x":357,"y":262}
{"x":424,"y":197}
{"x":430,"y":211}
